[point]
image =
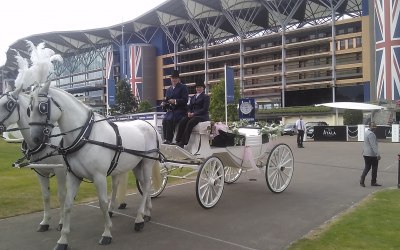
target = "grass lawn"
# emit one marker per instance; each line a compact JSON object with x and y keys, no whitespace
{"x":373,"y":224}
{"x":20,"y":190}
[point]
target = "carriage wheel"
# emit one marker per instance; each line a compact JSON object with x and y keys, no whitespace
{"x":232,"y":174}
{"x":155,"y":192}
{"x":210,"y":182}
{"x":279,"y":168}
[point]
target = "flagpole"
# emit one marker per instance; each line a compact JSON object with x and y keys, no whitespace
{"x":226,"y":101}
{"x":123,"y":53}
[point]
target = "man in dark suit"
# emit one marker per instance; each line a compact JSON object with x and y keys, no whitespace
{"x":197,"y":112}
{"x":175,"y":104}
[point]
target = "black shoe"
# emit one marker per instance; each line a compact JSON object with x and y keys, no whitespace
{"x":181,"y":145}
{"x":122,"y":206}
{"x":362,"y":184}
{"x":167,"y":142}
{"x":375,"y":185}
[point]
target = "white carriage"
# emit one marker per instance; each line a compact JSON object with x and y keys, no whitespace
{"x":216,"y":166}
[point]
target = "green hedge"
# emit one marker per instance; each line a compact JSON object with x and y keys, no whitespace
{"x":299,"y":109}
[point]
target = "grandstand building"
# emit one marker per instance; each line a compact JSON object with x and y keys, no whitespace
{"x":284,"y":52}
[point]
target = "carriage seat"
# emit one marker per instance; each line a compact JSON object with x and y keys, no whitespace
{"x":199,"y":142}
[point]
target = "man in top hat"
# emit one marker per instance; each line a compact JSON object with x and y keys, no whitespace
{"x":175,"y":104}
{"x":197,"y":112}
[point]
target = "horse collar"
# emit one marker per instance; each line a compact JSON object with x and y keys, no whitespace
{"x":81,"y":139}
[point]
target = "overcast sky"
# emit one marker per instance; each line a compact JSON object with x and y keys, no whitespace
{"x":20,"y":19}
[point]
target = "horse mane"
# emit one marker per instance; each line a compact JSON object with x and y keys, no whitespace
{"x":70,"y":95}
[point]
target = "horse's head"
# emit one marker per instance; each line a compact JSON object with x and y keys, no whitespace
{"x":43,"y":112}
{"x":9,"y":108}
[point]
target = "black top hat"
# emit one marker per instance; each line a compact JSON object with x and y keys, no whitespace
{"x":175,"y":74}
{"x":200,"y":84}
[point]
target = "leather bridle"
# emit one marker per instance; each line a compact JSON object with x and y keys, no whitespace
{"x":10,"y":106}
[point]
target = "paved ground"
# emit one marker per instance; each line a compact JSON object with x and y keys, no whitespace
{"x":248,"y":216}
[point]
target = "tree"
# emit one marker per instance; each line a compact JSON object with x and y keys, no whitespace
{"x":217,"y":102}
{"x":125,"y":101}
{"x":352,"y":117}
{"x":144,"y":106}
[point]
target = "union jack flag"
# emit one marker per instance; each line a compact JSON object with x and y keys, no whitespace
{"x":387,"y":36}
{"x":136,"y":70}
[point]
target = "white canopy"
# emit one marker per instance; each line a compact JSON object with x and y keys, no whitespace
{"x":351,"y":105}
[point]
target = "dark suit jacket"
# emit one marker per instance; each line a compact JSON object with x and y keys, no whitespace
{"x":200,"y":105}
{"x":181,"y":94}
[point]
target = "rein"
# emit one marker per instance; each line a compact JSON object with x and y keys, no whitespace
{"x":29,"y":153}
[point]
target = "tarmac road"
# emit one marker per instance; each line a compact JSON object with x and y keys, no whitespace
{"x":248,"y":215}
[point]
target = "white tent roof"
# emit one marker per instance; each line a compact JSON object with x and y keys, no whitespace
{"x":351,"y":105}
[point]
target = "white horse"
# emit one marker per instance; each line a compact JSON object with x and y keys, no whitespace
{"x":13,"y":109}
{"x":93,"y":150}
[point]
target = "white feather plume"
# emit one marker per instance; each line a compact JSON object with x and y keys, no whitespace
{"x":42,"y":65}
{"x":23,"y":66}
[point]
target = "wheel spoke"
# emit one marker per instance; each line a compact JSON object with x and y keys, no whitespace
{"x":283,"y":172}
{"x":285,"y":162}
{"x":203,"y":186}
{"x":282,"y":179}
{"x":273,"y":176}
{"x":210,"y":195}
{"x":203,"y":194}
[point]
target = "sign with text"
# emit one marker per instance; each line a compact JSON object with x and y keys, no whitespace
{"x":330,"y":133}
{"x":247,"y":109}
{"x":383,"y":132}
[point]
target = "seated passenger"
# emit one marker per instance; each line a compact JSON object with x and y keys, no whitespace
{"x":197,"y":112}
{"x":176,"y":98}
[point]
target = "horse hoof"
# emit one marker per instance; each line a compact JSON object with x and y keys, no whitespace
{"x":61,"y":247}
{"x":59,"y":228}
{"x":43,"y":228}
{"x":110,"y":214}
{"x":146,"y":218}
{"x":122,"y":206}
{"x":139,"y":226}
{"x":105,"y":240}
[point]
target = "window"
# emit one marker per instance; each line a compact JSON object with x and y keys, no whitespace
{"x":342,"y":44}
{"x":340,"y":31}
{"x":350,"y":43}
{"x":358,"y":42}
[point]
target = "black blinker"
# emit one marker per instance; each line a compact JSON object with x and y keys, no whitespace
{"x":10,"y":105}
{"x":43,"y":108}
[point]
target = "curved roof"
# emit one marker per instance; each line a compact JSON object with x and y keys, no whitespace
{"x":191,"y":22}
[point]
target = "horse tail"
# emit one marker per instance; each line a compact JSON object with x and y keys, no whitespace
{"x":156,"y":174}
